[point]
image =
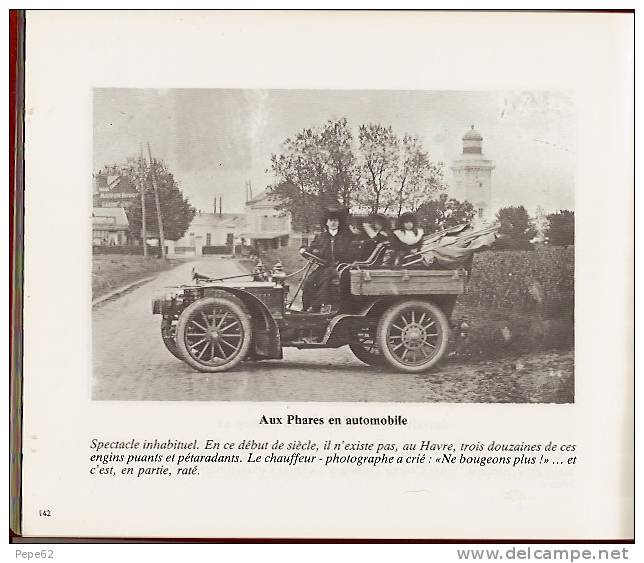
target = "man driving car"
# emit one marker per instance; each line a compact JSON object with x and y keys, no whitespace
{"x":333,"y":245}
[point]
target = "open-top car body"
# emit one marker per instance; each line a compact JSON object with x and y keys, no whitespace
{"x":394,"y":317}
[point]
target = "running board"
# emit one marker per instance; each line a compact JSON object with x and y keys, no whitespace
{"x":302,"y":344}
{"x":310,"y":345}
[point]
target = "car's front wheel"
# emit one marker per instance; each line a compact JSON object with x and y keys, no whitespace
{"x":214,"y":334}
{"x":168,"y":334}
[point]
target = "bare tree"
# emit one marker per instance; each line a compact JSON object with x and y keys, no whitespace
{"x":337,"y":140}
{"x":316,"y":168}
{"x":419,"y":179}
{"x":380,"y":173}
{"x":379,"y":149}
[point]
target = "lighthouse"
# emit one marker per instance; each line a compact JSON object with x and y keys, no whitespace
{"x":472,"y":176}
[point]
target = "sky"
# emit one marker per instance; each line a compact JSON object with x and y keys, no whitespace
{"x":214,"y":140}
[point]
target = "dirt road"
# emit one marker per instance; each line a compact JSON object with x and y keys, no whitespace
{"x":131,"y":363}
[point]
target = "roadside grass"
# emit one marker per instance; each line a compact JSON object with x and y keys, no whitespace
{"x":517,"y":302}
{"x":111,"y":271}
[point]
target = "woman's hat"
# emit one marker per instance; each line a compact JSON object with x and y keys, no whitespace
{"x":335,"y":212}
{"x":379,"y":218}
{"x":406,"y":218}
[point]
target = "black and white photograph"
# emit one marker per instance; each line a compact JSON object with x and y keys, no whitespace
{"x":333,"y":245}
{"x":326,"y":276}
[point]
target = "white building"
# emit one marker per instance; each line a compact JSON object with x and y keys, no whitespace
{"x":266,"y":226}
{"x":208,"y":234}
{"x":472,"y":176}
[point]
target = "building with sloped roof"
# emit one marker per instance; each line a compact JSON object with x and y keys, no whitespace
{"x":110,"y":226}
{"x":209,"y":233}
{"x":266,"y":225}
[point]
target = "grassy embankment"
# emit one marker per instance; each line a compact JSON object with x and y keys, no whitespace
{"x":111,"y":271}
{"x":517,"y":301}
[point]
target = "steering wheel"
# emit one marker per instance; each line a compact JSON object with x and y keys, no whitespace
{"x":314,"y":259}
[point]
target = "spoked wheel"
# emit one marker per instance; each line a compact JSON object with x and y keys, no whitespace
{"x":214,"y":334}
{"x":168,"y":334}
{"x":413,"y":335}
{"x":365,"y":348}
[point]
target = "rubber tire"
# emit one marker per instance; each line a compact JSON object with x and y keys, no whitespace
{"x":366,"y":357}
{"x":388,"y":318}
{"x":234,"y":307}
{"x":169,"y":341}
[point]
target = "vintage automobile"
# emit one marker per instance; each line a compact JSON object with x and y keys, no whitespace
{"x":388,"y":317}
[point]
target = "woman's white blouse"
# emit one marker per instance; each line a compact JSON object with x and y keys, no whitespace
{"x":408,"y":237}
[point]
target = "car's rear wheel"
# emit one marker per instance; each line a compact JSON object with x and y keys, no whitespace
{"x":413,"y":335}
{"x":169,"y":336}
{"x":366,"y":349}
{"x":214,"y":334}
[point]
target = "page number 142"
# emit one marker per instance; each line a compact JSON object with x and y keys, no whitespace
{"x":45,"y":512}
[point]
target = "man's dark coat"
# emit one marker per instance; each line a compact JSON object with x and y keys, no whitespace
{"x":333,"y":250}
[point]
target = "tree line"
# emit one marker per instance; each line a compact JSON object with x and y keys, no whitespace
{"x":520,"y":230}
{"x":379,"y":172}
{"x":382,"y":172}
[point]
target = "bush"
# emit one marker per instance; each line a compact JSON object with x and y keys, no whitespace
{"x":508,"y":243}
{"x":541,"y":281}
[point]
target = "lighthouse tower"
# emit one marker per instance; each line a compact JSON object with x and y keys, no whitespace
{"x":472,"y":176}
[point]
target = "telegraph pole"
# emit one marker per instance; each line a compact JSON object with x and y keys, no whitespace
{"x":158,"y":205}
{"x":142,"y":192}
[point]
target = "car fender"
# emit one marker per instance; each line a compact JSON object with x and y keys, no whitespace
{"x":372,"y":311}
{"x":266,"y":335}
{"x":376,"y":308}
{"x":339,"y":321}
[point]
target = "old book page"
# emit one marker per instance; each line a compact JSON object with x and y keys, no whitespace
{"x":190,"y":392}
